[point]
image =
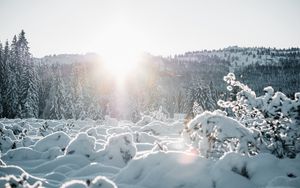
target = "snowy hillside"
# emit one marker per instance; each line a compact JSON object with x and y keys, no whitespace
{"x":240,"y":57}
{"x":113,"y":153}
{"x":236,"y":56}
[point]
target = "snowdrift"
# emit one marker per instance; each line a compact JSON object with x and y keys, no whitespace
{"x":148,"y":154}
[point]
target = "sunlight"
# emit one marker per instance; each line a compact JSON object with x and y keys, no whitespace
{"x":121,"y":51}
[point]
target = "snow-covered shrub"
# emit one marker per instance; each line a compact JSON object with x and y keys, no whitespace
{"x":162,"y":128}
{"x":17,"y":129}
{"x":146,"y":119}
{"x":159,"y":114}
{"x":6,"y":139}
{"x":142,"y":137}
{"x":273,"y":115}
{"x":214,"y":134}
{"x":57,"y":139}
{"x":66,"y":127}
{"x":197,"y":109}
{"x":118,"y":150}
{"x":24,"y":140}
{"x":13,"y":135}
{"x":49,"y":127}
{"x":6,"y":144}
{"x":12,"y":181}
{"x":82,"y":144}
{"x":45,"y":129}
{"x":159,"y":147}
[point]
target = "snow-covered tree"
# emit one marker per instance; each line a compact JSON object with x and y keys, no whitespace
{"x":29,"y":95}
{"x":214,"y":134}
{"x":2,"y":79}
{"x":273,"y":115}
{"x":55,"y":105}
{"x":28,"y":89}
{"x":12,"y":96}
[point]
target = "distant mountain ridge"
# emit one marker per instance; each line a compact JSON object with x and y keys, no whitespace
{"x":243,"y":56}
{"x":67,"y":58}
{"x":236,"y":56}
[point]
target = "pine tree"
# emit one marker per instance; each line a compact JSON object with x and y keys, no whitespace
{"x":2,"y":71}
{"x":5,"y":78}
{"x":29,"y":97}
{"x":28,"y":90}
{"x":12,"y":85}
{"x":44,"y":83}
{"x":69,"y":98}
{"x":55,"y":105}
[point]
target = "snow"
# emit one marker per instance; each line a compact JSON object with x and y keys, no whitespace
{"x":228,"y":127}
{"x":167,"y":169}
{"x":98,"y":182}
{"x":83,"y":145}
{"x":118,"y":151}
{"x":151,"y":154}
{"x":57,"y":139}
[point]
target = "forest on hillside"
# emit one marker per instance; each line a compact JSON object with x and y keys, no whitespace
{"x":78,"y":88}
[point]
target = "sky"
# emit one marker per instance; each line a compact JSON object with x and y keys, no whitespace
{"x":159,"y":27}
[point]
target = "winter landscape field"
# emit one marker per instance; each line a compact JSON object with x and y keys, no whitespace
{"x":149,"y":94}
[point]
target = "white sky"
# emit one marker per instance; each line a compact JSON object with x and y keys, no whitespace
{"x":161,"y":27}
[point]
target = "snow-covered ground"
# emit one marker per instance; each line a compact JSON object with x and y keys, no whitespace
{"x":111,"y":153}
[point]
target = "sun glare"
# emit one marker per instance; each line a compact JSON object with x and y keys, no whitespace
{"x":121,"y":50}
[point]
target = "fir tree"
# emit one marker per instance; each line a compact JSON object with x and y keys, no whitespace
{"x":29,"y":97}
{"x":4,"y":84}
{"x":55,"y":105}
{"x":2,"y":71}
{"x":28,"y":91}
{"x":11,"y":90}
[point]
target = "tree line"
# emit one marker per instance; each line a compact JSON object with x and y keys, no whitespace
{"x":38,"y":88}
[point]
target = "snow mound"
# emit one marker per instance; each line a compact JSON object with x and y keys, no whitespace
{"x":75,"y":184}
{"x":142,"y":137}
{"x":284,"y":182}
{"x":16,"y":177}
{"x":172,"y":169}
{"x":111,"y":121}
{"x":210,"y":130}
{"x":23,"y":153}
{"x":12,"y":181}
{"x":58,"y":139}
{"x":97,"y":182}
{"x":227,"y":126}
{"x":102,"y":182}
{"x":144,"y":121}
{"x":5,"y":144}
{"x":178,"y":169}
{"x":161,"y":128}
{"x":72,"y":161}
{"x":118,"y":150}
{"x":95,"y":168}
{"x":82,"y":144}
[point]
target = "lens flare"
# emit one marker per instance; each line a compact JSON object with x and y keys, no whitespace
{"x":121,"y":52}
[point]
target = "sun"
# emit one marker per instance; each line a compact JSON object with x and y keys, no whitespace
{"x":121,"y":50}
